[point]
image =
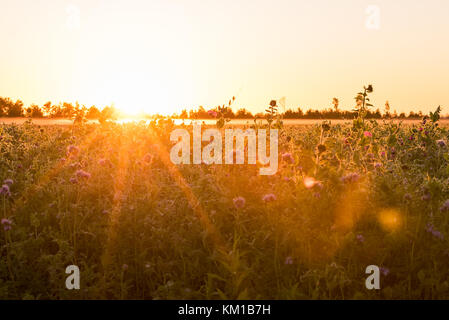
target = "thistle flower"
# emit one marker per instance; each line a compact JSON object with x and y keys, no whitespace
{"x":368,"y":134}
{"x":288,"y":157}
{"x":5,"y":190}
{"x":441,"y":143}
{"x":289,"y":260}
{"x":445,"y":206}
{"x":431,"y":229}
{"x":239,"y":202}
{"x":6,"y":223}
{"x":82,"y":174}
{"x":9,"y":182}
{"x":269,"y":197}
{"x":350,"y":178}
{"x":426,"y":197}
{"x":212,"y":113}
{"x":72,"y":150}
{"x":384,"y":271}
{"x":148,"y":158}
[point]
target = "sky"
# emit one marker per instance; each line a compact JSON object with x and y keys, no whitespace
{"x":161,"y":56}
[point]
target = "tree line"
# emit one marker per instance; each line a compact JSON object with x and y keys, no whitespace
{"x":9,"y":108}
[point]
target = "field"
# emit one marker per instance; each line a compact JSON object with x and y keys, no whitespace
{"x":107,"y":199}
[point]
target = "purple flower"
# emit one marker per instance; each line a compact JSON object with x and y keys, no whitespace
{"x":212,"y":113}
{"x":72,"y":150}
{"x":289,"y":260}
{"x":351,"y":177}
{"x":441,"y":143}
{"x":82,"y":174}
{"x":426,"y":197}
{"x":431,"y":229}
{"x":377,"y":165}
{"x":239,"y":202}
{"x":360,"y":238}
{"x":6,"y":224}
{"x":384,"y":271}
{"x":73,"y":180}
{"x":125,"y":267}
{"x":148,"y":158}
{"x":407,"y":197}
{"x":368,"y":134}
{"x":269,"y":197}
{"x":445,"y":206}
{"x":5,"y":190}
{"x":288,"y":157}
{"x":9,"y":182}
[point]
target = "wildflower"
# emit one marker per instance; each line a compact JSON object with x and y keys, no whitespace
{"x":289,"y":260}
{"x":426,"y":197}
{"x":360,"y":238}
{"x":125,"y":267}
{"x":431,"y":229}
{"x":148,"y":158}
{"x":377,"y":165}
{"x":5,"y":190}
{"x":269,"y":197}
{"x":384,"y":271}
{"x":368,"y":134}
{"x":72,"y":150}
{"x":407,"y":197}
{"x":9,"y":182}
{"x":83,"y":174}
{"x":6,"y":224}
{"x":239,"y":202}
{"x":441,"y":143}
{"x":351,"y":177}
{"x":73,"y":180}
{"x":445,"y":206}
{"x":212,"y":113}
{"x":288,"y":157}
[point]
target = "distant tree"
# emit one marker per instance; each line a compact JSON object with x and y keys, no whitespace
{"x":93,"y":113}
{"x":15,"y":109}
{"x":108,"y":113}
{"x":34,"y":111}
{"x":68,"y":110}
{"x":5,"y":104}
{"x":243,"y":114}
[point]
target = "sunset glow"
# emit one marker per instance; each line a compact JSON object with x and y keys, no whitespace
{"x":164,"y":56}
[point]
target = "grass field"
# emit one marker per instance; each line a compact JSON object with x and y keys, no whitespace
{"x":105,"y":198}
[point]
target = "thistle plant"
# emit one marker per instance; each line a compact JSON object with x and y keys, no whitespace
{"x":362,"y":104}
{"x":272,"y":114}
